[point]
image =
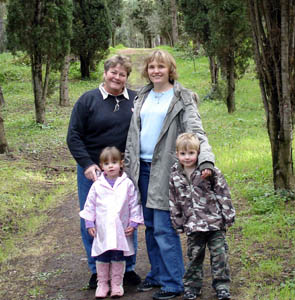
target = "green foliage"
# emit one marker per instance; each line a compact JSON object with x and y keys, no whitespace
{"x":220,"y":26}
{"x":42,"y":27}
{"x":140,"y":13}
{"x":91,"y":31}
{"x":115,"y":9}
{"x":41,"y":173}
{"x":229,"y":29}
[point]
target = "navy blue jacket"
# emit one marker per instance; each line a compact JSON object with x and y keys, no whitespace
{"x":94,"y":125}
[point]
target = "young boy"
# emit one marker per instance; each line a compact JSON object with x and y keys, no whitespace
{"x":202,"y":208}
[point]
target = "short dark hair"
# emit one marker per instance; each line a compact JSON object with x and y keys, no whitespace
{"x":115,"y":60}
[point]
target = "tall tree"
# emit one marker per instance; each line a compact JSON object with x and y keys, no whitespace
{"x":141,"y":12}
{"x":197,"y":25}
{"x":42,"y":28}
{"x":174,"y":13}
{"x":273,"y":27}
{"x":91,"y":32}
{"x":230,"y":35}
{"x":223,"y":28}
{"x":2,"y":24}
{"x":116,"y":15}
{"x":160,"y":23}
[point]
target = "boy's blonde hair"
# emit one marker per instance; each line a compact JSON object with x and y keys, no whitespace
{"x":110,"y":153}
{"x":160,"y":56}
{"x":187,"y":141}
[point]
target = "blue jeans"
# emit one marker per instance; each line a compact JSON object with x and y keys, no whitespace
{"x":162,"y":241}
{"x":84,"y":185}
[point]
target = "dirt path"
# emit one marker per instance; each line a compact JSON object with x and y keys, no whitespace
{"x":53,"y":266}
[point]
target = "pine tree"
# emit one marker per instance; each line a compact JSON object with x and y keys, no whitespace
{"x":91,"y":32}
{"x":42,"y":29}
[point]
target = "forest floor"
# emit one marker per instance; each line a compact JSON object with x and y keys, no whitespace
{"x":53,"y":266}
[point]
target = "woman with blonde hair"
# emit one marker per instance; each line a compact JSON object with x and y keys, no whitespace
{"x":163,"y":110}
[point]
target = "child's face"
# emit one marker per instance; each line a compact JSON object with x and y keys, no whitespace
{"x":112,"y":168}
{"x":188,"y":158}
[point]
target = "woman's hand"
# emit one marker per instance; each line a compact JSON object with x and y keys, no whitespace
{"x":129,"y":231}
{"x":206,"y":173}
{"x":92,"y":231}
{"x":90,"y":172}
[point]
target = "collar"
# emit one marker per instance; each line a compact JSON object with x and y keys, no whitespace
{"x":105,"y":94}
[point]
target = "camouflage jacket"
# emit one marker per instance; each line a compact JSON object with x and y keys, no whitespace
{"x":199,"y":204}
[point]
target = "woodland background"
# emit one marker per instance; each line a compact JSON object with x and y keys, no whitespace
{"x":237,"y":55}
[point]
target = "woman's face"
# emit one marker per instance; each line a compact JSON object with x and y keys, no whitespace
{"x":115,"y":79}
{"x":158,"y":72}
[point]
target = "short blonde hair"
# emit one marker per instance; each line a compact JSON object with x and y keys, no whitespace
{"x":163,"y":57}
{"x":187,"y":141}
{"x":115,"y":60}
{"x":110,"y":153}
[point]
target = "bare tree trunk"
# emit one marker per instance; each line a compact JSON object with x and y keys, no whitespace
{"x":36,"y":63}
{"x":2,"y":30}
{"x":114,"y":37}
{"x":2,"y":101}
{"x":230,"y":79}
{"x":85,"y":66}
{"x":174,"y":22}
{"x":273,"y":36}
{"x":63,"y":88}
{"x":214,"y":69}
{"x":46,"y":81}
{"x":3,"y":141}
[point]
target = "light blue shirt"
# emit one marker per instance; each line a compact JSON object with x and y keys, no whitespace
{"x":152,"y":115}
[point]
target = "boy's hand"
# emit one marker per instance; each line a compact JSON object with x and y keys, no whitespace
{"x":129,"y":230}
{"x":206,"y":173}
{"x":92,"y":231}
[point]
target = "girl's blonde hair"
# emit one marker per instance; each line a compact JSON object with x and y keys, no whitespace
{"x":110,"y":153}
{"x":187,"y":141}
{"x":161,"y":56}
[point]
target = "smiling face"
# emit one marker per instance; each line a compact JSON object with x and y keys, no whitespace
{"x":115,"y":79}
{"x":158,"y":72}
{"x":187,"y":157}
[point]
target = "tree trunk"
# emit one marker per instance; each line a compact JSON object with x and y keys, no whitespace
{"x":63,"y":87}
{"x":174,"y":22}
{"x":214,"y":69}
{"x":230,"y":79}
{"x":85,"y":66}
{"x":3,"y":141}
{"x":2,"y":39}
{"x":273,"y":34}
{"x":46,"y":82}
{"x":2,"y":101}
{"x":114,"y":38}
{"x":36,"y":63}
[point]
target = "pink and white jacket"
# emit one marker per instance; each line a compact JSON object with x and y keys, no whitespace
{"x":112,"y":209}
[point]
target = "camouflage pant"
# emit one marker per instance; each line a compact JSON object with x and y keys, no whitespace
{"x":196,"y":246}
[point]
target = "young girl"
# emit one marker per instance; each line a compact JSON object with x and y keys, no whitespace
{"x":112,"y":213}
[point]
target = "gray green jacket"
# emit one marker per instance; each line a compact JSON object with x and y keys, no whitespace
{"x":182,"y":116}
{"x":198,"y":204}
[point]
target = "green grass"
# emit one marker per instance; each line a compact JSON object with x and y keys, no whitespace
{"x":41,"y":171}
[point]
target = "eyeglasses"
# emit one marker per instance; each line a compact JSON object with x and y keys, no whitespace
{"x":117,"y":106}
